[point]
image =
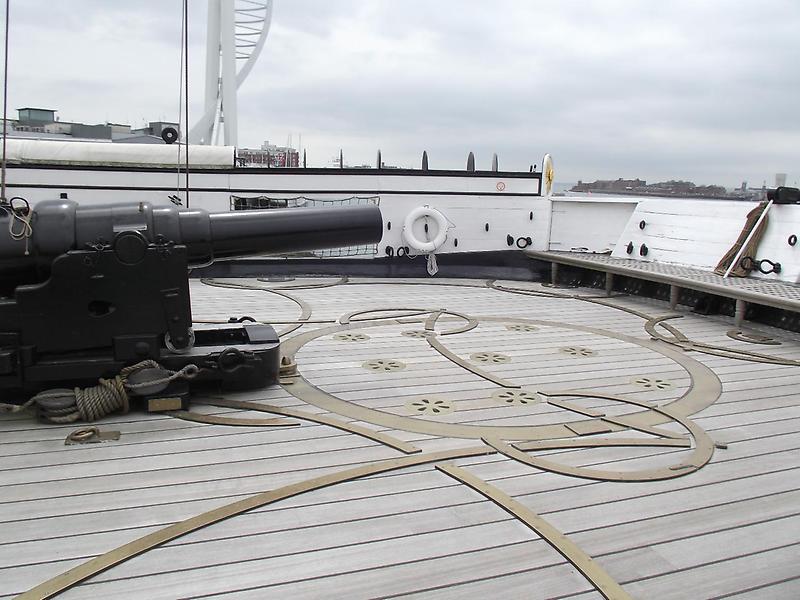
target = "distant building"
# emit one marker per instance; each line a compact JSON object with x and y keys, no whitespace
{"x":154,"y":129}
{"x":780,"y":179}
{"x":42,"y":123}
{"x":269,"y":155}
{"x":35,"y":117}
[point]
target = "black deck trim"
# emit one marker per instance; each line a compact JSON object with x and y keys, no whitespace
{"x":501,"y":264}
{"x":262,"y":191}
{"x":288,"y":171}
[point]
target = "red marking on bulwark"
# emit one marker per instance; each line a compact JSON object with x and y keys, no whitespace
{"x":500,"y":186}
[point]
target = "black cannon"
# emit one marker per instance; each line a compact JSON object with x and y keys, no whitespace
{"x":86,"y":291}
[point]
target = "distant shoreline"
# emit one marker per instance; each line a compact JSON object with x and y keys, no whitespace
{"x":662,"y":195}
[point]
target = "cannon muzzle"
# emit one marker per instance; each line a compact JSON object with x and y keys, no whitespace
{"x":59,"y":226}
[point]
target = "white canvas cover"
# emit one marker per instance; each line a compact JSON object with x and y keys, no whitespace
{"x":98,"y":153}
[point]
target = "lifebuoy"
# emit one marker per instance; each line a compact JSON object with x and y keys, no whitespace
{"x":418,"y":244}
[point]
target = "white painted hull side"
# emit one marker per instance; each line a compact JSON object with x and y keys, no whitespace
{"x":507,"y":204}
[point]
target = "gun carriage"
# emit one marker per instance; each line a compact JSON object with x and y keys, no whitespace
{"x":86,"y":291}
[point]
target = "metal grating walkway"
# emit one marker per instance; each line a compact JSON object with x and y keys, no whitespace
{"x":759,"y":291}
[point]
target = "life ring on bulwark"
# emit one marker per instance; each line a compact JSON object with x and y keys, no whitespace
{"x":408,"y":229}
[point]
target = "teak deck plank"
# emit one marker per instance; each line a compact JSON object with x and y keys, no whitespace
{"x":415,"y":531}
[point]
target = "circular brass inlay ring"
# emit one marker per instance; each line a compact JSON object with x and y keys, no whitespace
{"x":704,"y":390}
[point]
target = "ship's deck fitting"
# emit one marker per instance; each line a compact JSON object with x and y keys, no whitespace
{"x":437,"y":438}
{"x":777,"y":294}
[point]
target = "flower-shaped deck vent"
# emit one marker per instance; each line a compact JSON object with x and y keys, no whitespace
{"x":383,"y":365}
{"x":490,"y":358}
{"x":419,"y":334}
{"x":351,"y":337}
{"x":577,"y":351}
{"x":652,"y":383}
{"x":430,"y":406}
{"x":520,"y":397}
{"x":522,"y":327}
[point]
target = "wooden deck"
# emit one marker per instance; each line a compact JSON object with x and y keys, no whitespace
{"x":658,"y":519}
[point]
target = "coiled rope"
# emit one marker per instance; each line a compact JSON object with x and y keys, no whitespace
{"x":92,"y":403}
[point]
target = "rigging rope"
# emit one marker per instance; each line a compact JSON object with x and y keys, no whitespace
{"x":180,"y":115}
{"x":5,"y":108}
{"x":183,"y":101}
{"x":186,"y":96}
{"x":20,"y":215}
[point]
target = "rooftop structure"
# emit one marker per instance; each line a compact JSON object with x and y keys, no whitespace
{"x":42,"y":123}
{"x":268,"y":155}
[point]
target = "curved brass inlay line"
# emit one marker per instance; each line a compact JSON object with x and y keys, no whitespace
{"x":596,"y":575}
{"x":232,"y":421}
{"x":601,"y":300}
{"x":589,"y":412}
{"x":321,"y":419}
{"x":307,"y":286}
{"x":702,"y":453}
{"x":305,"y":309}
{"x":426,"y":282}
{"x":680,"y":340}
{"x":347,"y":318}
{"x":523,"y":292}
{"x":101,"y":563}
{"x":602,"y":443}
{"x":453,"y":357}
{"x":752,"y":338}
{"x":604,"y":302}
{"x":704,"y":390}
{"x":430,"y":322}
{"x":653,"y":322}
{"x":270,"y":322}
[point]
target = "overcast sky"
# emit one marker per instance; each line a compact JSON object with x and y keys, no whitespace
{"x":682,"y":89}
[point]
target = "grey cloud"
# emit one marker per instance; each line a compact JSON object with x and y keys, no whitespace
{"x":703,"y":90}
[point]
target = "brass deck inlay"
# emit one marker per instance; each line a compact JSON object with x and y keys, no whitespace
{"x":597,"y":576}
{"x":517,"y":442}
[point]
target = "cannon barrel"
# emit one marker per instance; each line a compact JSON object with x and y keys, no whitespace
{"x":59,"y":226}
{"x":291,"y":229}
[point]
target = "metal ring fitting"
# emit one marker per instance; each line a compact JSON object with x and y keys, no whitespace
{"x":81,"y":435}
